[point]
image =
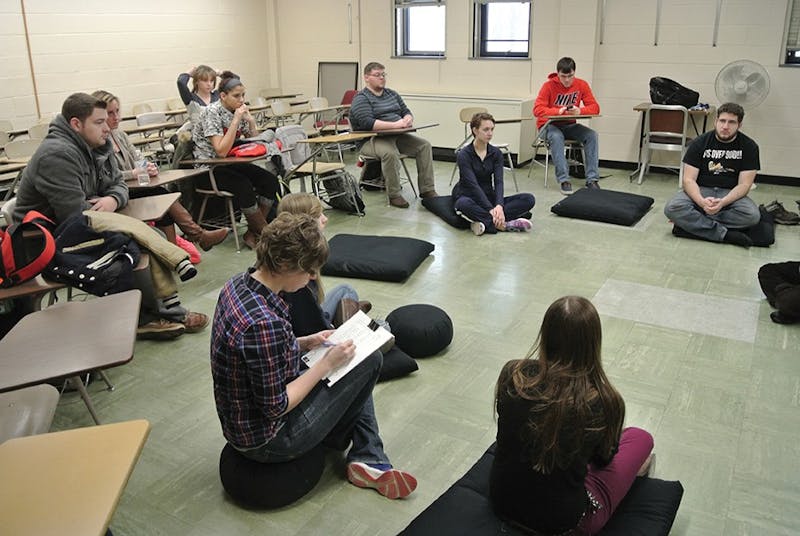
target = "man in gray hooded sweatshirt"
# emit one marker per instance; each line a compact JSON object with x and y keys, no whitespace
{"x":74,"y":170}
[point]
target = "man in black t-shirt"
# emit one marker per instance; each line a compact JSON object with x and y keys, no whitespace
{"x":719,"y":168}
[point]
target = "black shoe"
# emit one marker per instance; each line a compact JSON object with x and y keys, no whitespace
{"x":737,"y":238}
{"x":592,"y":185}
{"x":781,"y":215}
{"x":779,"y":318}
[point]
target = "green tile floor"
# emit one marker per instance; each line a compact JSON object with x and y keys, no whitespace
{"x":723,"y":409}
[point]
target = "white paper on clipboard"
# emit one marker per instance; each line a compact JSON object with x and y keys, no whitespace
{"x":366,"y":334}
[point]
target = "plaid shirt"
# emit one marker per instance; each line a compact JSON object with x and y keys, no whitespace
{"x":254,"y":354}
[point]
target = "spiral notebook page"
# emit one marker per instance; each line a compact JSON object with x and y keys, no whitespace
{"x":366,"y":334}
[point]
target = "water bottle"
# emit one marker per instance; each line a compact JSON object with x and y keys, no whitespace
{"x":141,"y":174}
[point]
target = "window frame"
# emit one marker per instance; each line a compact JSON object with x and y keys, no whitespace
{"x":480,"y":29}
{"x":792,"y":25}
{"x":401,"y":30}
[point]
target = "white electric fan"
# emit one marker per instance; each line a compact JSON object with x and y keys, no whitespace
{"x":744,"y":82}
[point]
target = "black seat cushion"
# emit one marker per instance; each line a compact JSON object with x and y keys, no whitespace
{"x":421,"y":330}
{"x":396,"y":363}
{"x":442,"y":206}
{"x":464,"y":509}
{"x":383,"y":258}
{"x":762,"y":234}
{"x":269,"y":485}
{"x":621,"y":208}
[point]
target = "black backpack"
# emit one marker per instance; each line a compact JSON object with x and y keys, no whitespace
{"x":666,"y":91}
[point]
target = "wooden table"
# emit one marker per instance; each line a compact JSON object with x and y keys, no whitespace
{"x":152,"y":127}
{"x":150,"y":208}
{"x":165,"y":176}
{"x":68,"y":482}
{"x":70,"y":339}
{"x":34,"y":289}
{"x":396,"y":131}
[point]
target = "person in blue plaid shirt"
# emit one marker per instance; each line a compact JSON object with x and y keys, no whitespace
{"x":271,"y":408}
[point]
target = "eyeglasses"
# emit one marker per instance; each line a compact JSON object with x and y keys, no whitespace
{"x":380,"y":75}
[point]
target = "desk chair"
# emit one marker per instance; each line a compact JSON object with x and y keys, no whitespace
{"x":19,"y":149}
{"x":403,"y":157}
{"x":217,"y":223}
{"x":142,"y":108}
{"x":297,"y":162}
{"x":27,"y":411}
{"x":664,"y":130}
{"x":334,"y":123}
{"x":38,"y":131}
{"x":465,"y":116}
{"x":571,"y":147}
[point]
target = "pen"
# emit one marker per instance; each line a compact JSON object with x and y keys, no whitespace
{"x":328,"y":344}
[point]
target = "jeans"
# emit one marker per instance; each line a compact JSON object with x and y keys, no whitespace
{"x":555,"y":135}
{"x":334,"y":416}
{"x":332,"y":299}
{"x":609,"y":484}
{"x":684,"y":213}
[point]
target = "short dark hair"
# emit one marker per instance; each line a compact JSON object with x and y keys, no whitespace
{"x":731,"y":108}
{"x":80,"y":106}
{"x":292,"y":243}
{"x":371,"y":66}
{"x":565,"y":65}
{"x":479,"y":118}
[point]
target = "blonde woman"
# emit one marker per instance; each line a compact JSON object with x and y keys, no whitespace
{"x":128,"y":156}
{"x":334,"y":306}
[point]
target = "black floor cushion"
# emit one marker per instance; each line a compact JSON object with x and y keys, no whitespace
{"x":396,"y":363}
{"x":648,"y":509}
{"x":621,"y":208}
{"x":442,"y":206}
{"x":383,"y":258}
{"x":269,"y":485}
{"x":421,"y":330}
{"x":762,"y":234}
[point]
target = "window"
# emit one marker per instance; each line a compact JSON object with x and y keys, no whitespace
{"x":419,"y":28}
{"x":501,"y":29}
{"x":791,"y":38}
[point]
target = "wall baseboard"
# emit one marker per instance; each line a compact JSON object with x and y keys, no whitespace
{"x":445,"y":154}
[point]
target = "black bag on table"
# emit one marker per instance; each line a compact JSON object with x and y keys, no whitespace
{"x":666,"y":91}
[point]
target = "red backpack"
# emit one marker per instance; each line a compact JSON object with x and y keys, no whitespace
{"x":248,"y":149}
{"x":24,"y":258}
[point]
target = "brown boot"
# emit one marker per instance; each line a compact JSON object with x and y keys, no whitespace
{"x":265,"y":205}
{"x":255,"y":224}
{"x":194,"y":233}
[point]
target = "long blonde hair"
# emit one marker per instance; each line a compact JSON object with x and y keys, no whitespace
{"x":304,"y":203}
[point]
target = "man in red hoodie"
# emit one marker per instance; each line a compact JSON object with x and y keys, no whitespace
{"x":563,"y":94}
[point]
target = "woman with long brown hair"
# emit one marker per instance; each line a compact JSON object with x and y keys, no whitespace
{"x":563,"y":461}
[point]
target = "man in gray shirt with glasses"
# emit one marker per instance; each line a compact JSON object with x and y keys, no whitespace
{"x":377,"y":108}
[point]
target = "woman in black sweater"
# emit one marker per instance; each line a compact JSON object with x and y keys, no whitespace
{"x":563,"y":461}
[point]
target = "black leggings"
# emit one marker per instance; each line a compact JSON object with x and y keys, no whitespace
{"x":244,"y":181}
{"x":780,"y":282}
